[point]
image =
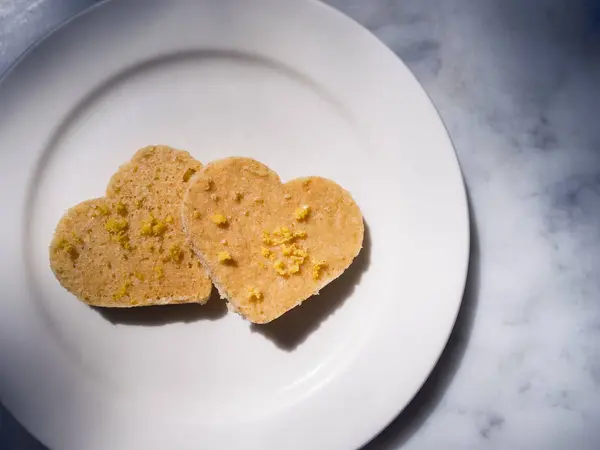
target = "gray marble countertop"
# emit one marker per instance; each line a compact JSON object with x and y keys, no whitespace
{"x":517,"y":83}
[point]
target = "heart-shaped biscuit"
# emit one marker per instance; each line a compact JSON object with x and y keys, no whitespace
{"x":269,"y":246}
{"x":128,"y":248}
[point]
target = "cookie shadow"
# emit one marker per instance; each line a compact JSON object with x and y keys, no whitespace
{"x":291,"y":329}
{"x":159,"y":315}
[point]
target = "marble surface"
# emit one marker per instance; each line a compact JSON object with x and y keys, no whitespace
{"x":517,"y":83}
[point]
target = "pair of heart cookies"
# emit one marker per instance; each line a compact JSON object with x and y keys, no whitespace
{"x":168,"y":226}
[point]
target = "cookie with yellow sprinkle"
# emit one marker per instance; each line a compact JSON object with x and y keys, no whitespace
{"x":269,"y":246}
{"x":128,"y":248}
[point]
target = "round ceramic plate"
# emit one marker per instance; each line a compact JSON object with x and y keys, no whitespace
{"x":293,"y":84}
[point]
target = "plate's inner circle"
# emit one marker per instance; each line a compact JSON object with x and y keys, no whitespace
{"x":214,"y":104}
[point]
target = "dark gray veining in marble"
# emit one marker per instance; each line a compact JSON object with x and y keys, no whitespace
{"x":518,"y":85}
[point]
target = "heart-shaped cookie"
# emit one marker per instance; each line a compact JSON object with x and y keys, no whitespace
{"x":269,"y":246}
{"x":128,"y":248}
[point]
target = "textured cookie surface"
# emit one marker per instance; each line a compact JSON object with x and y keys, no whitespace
{"x":269,"y":246}
{"x":128,"y":248}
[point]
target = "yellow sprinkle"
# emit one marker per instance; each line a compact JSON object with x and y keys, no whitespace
{"x":219,"y":219}
{"x":159,"y":271}
{"x":266,"y":252}
{"x":188,"y":174}
{"x":153,"y":227}
{"x":299,"y":251}
{"x":294,"y":268}
{"x":176,"y":253}
{"x":122,"y":291}
{"x":266,"y":238}
{"x":140,"y":202}
{"x":317,"y":269}
{"x":296,"y":254}
{"x":139,"y":276}
{"x":302,"y":213}
{"x":116,"y":225}
{"x":169,"y":219}
{"x":282,"y":232}
{"x":298,"y":259}
{"x":224,"y":257}
{"x":101,"y":210}
{"x":279,"y":267}
{"x":159,"y":228}
{"x":254,"y":294}
{"x":68,"y":248}
{"x":72,"y":251}
{"x":146,"y":229}
{"x":300,"y":234}
{"x":122,"y":239}
{"x":285,"y":235}
{"x":121,"y":209}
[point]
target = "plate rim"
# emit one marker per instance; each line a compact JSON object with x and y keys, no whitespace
{"x":375,"y":41}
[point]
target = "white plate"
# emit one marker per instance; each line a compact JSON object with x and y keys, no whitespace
{"x":291,"y":83}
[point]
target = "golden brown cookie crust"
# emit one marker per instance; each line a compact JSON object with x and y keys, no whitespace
{"x":128,"y":248}
{"x":269,"y":246}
